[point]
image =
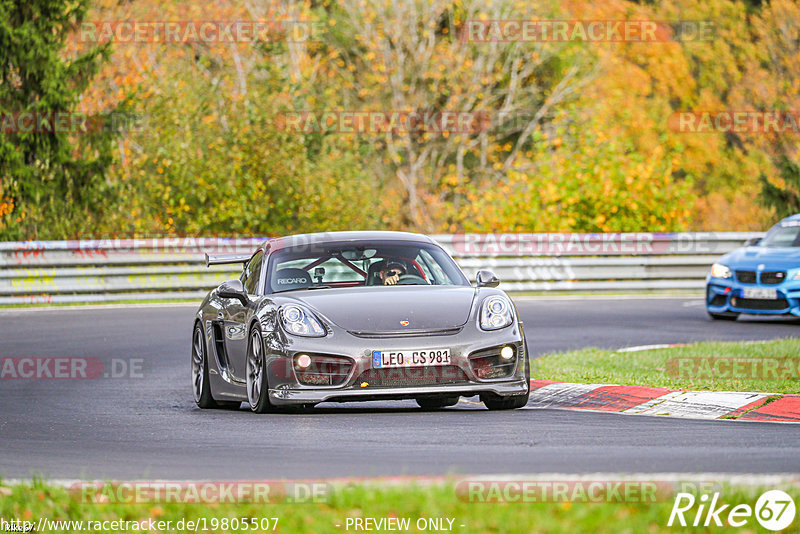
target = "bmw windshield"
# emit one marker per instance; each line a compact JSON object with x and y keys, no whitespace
{"x":783,"y":234}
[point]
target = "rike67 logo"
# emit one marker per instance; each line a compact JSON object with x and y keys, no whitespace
{"x":774,"y":510}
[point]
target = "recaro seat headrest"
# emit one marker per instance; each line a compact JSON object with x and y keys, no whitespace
{"x":290,"y":278}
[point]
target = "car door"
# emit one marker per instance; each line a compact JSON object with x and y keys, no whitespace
{"x":238,"y":317}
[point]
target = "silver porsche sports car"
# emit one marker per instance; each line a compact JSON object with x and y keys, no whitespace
{"x":355,"y":316}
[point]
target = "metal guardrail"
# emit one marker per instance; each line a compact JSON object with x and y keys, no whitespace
{"x":173,"y":268}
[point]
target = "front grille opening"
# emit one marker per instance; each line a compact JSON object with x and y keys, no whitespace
{"x":718,"y":300}
{"x":773,"y":278}
{"x":325,"y":370}
{"x":488,"y":364}
{"x":431,"y":375}
{"x":759,"y":304}
{"x":746,"y":277}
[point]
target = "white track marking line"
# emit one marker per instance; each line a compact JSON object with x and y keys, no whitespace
{"x":639,"y":348}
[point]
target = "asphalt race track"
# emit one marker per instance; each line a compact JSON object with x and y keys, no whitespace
{"x":147,"y":426}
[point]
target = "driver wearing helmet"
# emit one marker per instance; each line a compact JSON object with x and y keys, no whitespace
{"x":392,"y":272}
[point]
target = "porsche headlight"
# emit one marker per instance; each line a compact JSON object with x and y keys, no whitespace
{"x":796,"y":276}
{"x":495,"y":313}
{"x":720,"y":271}
{"x":300,"y":322}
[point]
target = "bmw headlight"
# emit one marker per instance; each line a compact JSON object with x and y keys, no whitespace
{"x":300,"y":322}
{"x":720,"y":271}
{"x":495,"y":313}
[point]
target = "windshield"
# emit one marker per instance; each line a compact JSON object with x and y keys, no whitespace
{"x":783,"y":234}
{"x":350,"y":264}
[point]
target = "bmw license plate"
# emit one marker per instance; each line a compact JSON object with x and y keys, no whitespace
{"x":384,"y":359}
{"x":760,"y":293}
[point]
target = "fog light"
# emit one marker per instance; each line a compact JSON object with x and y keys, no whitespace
{"x":303,"y":361}
{"x":507,"y":353}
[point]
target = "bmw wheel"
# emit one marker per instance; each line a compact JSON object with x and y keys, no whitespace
{"x":726,"y":316}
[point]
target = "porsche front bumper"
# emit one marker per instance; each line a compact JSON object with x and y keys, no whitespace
{"x":464,"y":377}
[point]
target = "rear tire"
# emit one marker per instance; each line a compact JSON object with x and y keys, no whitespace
{"x":512,"y":402}
{"x":726,"y":316}
{"x":201,"y":385}
{"x":436,"y":403}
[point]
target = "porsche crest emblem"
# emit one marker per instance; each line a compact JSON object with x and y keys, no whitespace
{"x":403,"y":323}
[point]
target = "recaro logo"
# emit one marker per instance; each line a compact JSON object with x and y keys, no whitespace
{"x":291,"y":280}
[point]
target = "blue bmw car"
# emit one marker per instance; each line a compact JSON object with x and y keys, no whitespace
{"x":763,"y":277}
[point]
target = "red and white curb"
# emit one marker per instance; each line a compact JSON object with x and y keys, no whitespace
{"x":643,"y":400}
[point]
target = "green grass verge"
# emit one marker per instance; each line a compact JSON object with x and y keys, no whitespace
{"x":772,"y":367}
{"x":39,"y":500}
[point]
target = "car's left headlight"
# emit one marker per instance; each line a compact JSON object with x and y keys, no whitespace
{"x":300,"y":322}
{"x":496,"y":313}
{"x":720,"y":271}
{"x":796,"y":276}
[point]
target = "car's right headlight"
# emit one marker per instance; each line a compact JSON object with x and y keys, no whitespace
{"x":720,"y":271}
{"x":496,"y":313}
{"x":300,"y":322}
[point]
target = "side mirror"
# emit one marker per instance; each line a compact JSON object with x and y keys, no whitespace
{"x":233,"y":289}
{"x":752,"y":242}
{"x":487,"y":279}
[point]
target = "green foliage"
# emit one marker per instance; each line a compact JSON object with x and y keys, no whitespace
{"x":785,"y":198}
{"x":580,"y":178}
{"x":52,"y":182}
{"x":211,"y":161}
{"x":587,"y":146}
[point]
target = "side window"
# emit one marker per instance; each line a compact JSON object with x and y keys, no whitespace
{"x":252,"y":273}
{"x":432,"y":267}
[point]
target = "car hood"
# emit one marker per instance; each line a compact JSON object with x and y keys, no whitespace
{"x":381,"y":309}
{"x":773,"y":259}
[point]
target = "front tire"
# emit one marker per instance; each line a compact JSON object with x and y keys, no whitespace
{"x":726,"y":316}
{"x":257,"y":383}
{"x":436,"y":403}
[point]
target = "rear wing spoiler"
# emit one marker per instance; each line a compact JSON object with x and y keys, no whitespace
{"x":222,"y":259}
